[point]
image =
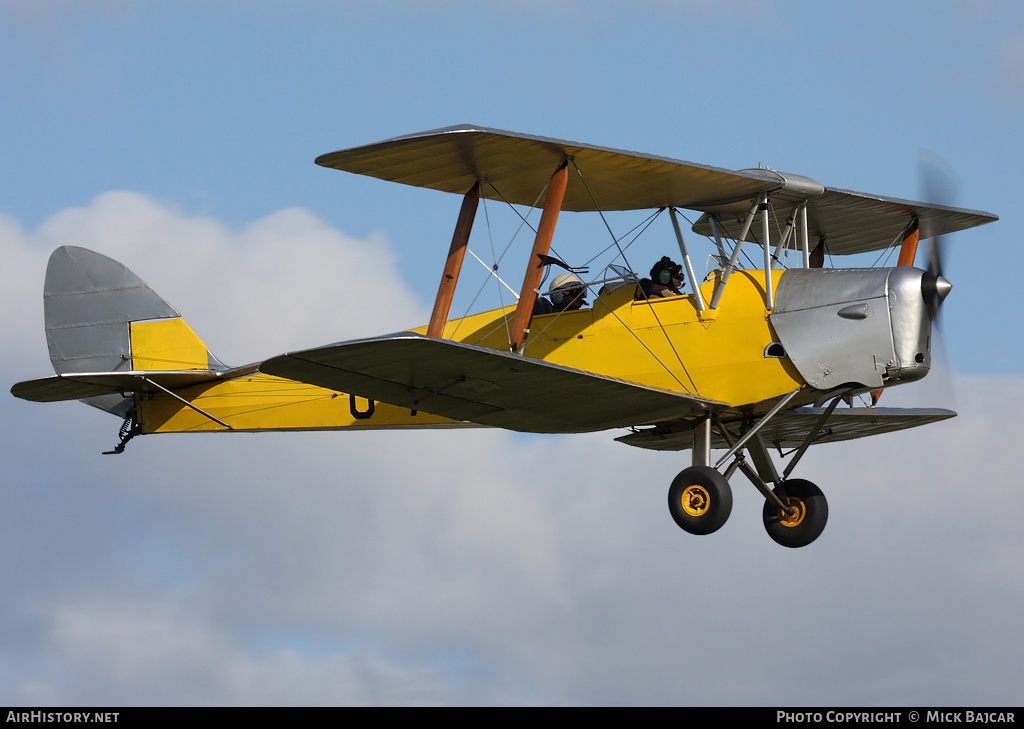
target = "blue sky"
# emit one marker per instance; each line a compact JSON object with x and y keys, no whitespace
{"x":484,"y":568}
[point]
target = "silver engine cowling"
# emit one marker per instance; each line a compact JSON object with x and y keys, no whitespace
{"x":868,"y":327}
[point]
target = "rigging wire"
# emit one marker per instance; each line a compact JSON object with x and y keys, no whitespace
{"x":657,"y":359}
{"x":670,"y":344}
{"x":888,"y":250}
{"x":523,"y":219}
{"x":516,"y":210}
{"x":638,"y":229}
{"x":615,"y":241}
{"x":643,"y":225}
{"x":726,"y":236}
{"x":779,"y":229}
{"x":493,"y":269}
{"x":498,"y":259}
{"x":622,"y":253}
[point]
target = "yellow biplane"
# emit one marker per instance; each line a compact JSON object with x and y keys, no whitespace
{"x":758,"y":356}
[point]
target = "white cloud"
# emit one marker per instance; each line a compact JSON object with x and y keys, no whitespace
{"x":142,"y":652}
{"x":463,"y":566}
{"x":286,"y":281}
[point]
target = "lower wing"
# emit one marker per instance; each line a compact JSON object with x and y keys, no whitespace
{"x":485,"y":386}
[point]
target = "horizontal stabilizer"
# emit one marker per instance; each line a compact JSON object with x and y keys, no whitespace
{"x":81,"y":385}
{"x":484,"y":386}
{"x":789,"y":428}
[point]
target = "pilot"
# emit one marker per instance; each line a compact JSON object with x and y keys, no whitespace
{"x":666,"y":278}
{"x":567,"y":293}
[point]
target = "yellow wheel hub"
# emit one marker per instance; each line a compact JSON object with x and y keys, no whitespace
{"x":800,"y":511}
{"x":696,"y":500}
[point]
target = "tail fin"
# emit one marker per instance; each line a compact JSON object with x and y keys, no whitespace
{"x":101,"y":317}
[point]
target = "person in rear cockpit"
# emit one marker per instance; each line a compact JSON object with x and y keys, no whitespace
{"x":567,"y":293}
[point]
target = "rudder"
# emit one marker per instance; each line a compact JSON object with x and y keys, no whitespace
{"x":101,"y":317}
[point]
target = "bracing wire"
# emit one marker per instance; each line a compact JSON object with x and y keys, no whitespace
{"x":497,"y":259}
{"x":643,"y":225}
{"x":726,"y":236}
{"x":615,"y":241}
{"x":888,"y":250}
{"x":622,"y":254}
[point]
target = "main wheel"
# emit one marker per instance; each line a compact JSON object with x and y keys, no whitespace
{"x":700,"y":500}
{"x":806,"y":524}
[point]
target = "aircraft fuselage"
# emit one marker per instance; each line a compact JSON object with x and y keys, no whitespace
{"x":862,"y":328}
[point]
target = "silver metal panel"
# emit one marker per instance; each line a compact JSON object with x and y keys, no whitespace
{"x":911,"y":325}
{"x":827,"y":347}
{"x":788,"y":429}
{"x":88,"y":300}
{"x":828,"y":350}
{"x":701,"y":442}
{"x":485,"y":386}
{"x":806,"y":288}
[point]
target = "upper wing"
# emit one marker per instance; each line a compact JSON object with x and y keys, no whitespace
{"x":855,"y":222}
{"x":789,"y":428}
{"x":485,"y":386}
{"x":517,"y":166}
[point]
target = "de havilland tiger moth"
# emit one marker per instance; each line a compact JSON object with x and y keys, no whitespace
{"x":756,"y":358}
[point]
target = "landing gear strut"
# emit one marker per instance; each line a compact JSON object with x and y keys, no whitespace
{"x":700,"y":499}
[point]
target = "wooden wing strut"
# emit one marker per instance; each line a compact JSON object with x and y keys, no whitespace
{"x":908,"y":250}
{"x":541,"y":245}
{"x":450,"y":277}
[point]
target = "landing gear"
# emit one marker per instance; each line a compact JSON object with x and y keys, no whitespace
{"x":129,"y":429}
{"x":805,"y":524}
{"x":700,"y":500}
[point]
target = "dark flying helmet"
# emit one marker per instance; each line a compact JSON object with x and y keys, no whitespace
{"x":664,"y":270}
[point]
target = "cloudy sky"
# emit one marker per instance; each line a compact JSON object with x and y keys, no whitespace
{"x":482,"y":567}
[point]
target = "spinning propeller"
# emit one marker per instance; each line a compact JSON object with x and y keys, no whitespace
{"x":940,"y":185}
{"x":934,"y":286}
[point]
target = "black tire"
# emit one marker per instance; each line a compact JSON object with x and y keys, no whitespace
{"x":700,"y":500}
{"x":807,"y":524}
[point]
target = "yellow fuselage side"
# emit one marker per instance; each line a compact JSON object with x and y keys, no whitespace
{"x":663,"y":343}
{"x":262,"y":402}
